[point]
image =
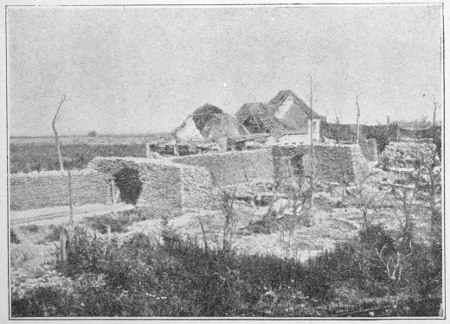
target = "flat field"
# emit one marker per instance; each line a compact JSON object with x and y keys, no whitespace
{"x":28,"y":154}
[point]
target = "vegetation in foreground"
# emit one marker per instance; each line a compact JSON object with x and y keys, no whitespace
{"x":139,"y":276}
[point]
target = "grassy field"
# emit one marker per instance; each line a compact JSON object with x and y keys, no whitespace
{"x":88,"y":140}
{"x":28,"y":154}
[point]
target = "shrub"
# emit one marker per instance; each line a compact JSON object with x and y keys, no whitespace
{"x":138,"y":276}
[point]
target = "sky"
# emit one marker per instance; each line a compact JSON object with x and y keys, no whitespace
{"x":130,"y":70}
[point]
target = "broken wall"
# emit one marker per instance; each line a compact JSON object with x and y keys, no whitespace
{"x":167,"y":188}
{"x":369,"y":149}
{"x":197,"y":189}
{"x":51,"y":188}
{"x":333,"y":163}
{"x":160,"y":193}
{"x":230,"y":168}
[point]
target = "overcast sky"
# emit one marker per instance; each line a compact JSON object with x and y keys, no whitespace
{"x":143,"y":70}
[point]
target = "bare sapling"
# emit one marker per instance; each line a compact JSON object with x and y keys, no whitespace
{"x":368,"y":199}
{"x":58,"y":146}
{"x":228,"y":211}
{"x":67,"y":232}
{"x":358,"y":114}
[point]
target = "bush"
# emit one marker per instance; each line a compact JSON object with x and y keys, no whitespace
{"x":138,"y":276}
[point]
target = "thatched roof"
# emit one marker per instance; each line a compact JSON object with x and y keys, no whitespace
{"x":202,"y":114}
{"x":283,"y":95}
{"x":222,"y":125}
{"x":258,"y":118}
{"x":284,"y":113}
{"x":291,"y":111}
{"x":188,"y":131}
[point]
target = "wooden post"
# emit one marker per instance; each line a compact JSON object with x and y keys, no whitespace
{"x":147,"y":149}
{"x":62,"y":245}
{"x":70,"y":197}
{"x":113,"y":194}
{"x":357,"y":119}
{"x":311,"y":144}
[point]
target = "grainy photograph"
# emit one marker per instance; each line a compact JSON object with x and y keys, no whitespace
{"x":225,"y":161}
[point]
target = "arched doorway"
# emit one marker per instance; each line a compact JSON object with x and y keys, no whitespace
{"x":130,"y":185}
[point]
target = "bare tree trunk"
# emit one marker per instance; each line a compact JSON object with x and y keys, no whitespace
{"x":63,"y":245}
{"x":311,"y":149}
{"x":61,"y":165}
{"x":70,"y":198}
{"x":357,"y":119}
{"x":434,"y":118}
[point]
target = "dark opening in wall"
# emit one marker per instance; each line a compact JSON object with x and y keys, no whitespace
{"x":297,"y":164}
{"x":129,"y":184}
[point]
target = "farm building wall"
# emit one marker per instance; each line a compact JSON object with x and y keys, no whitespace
{"x":369,"y":149}
{"x":51,"y":188}
{"x":167,"y":188}
{"x":159,"y":181}
{"x":332,"y":163}
{"x":197,"y":188}
{"x":231,"y":168}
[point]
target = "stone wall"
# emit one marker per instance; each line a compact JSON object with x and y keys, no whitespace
{"x":160,"y":182}
{"x":51,"y":188}
{"x":197,"y":189}
{"x":369,"y":149}
{"x":406,"y":154}
{"x":334,"y":163}
{"x":230,"y":168}
{"x":360,"y":166}
{"x":167,"y":188}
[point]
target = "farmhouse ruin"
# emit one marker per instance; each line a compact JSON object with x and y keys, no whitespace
{"x":172,"y":184}
{"x":179,"y":183}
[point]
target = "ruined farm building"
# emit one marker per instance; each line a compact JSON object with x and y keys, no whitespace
{"x":286,"y":117}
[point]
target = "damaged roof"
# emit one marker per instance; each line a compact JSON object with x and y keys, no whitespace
{"x":283,"y":114}
{"x":283,"y":95}
{"x":258,"y":117}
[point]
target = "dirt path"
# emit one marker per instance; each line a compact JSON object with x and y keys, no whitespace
{"x":56,"y":215}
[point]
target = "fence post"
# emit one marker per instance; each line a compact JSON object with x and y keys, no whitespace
{"x":63,"y":243}
{"x":113,"y":193}
{"x":70,"y":197}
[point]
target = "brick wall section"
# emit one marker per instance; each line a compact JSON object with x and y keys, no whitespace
{"x":161,"y":182}
{"x":369,"y":149}
{"x":50,"y":189}
{"x":230,"y":168}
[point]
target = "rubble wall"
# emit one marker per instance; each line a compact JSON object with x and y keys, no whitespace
{"x":161,"y":192}
{"x":369,"y":149}
{"x":406,"y":154}
{"x":335,"y":163}
{"x":230,"y":168}
{"x":197,"y":189}
{"x":51,"y":188}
